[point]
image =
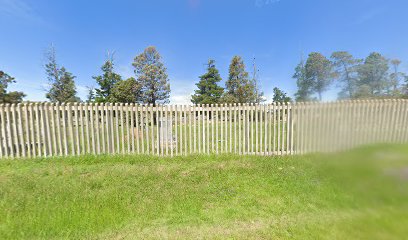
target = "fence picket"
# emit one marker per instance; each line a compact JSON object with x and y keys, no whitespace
{"x":216,"y":116}
{"x":3,"y":131}
{"x":235,"y":128}
{"x":405,"y":130}
{"x":20,"y":131}
{"x":157,"y":131}
{"x":400,"y":134}
{"x":161,"y":132}
{"x":141,"y":131}
{"x":203,"y":125}
{"x":190,"y":130}
{"x":212,"y":128}
{"x":169,"y":129}
{"x":122,"y":127}
{"x":185,"y":130}
{"x":27,"y":129}
{"x":14,"y":129}
{"x":195,"y":128}
{"x":105,"y":130}
{"x":175,"y":138}
{"x":240,"y":144}
{"x":90,"y":123}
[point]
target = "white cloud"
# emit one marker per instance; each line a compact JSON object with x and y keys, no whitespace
{"x":82,"y":92}
{"x":181,"y":91}
{"x":180,"y":99}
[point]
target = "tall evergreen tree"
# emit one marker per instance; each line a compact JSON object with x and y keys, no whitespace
{"x":373,"y":76}
{"x":152,"y":77}
{"x":63,"y":89}
{"x":345,"y":68}
{"x":318,"y":71}
{"x":106,"y":81}
{"x":208,"y":91}
{"x":8,"y":97}
{"x":62,"y":85}
{"x":304,"y":85}
{"x":239,"y":88}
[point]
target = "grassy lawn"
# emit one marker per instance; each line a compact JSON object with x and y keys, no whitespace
{"x":362,"y":194}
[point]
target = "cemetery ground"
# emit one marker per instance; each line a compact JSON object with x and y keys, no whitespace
{"x":359,"y":194}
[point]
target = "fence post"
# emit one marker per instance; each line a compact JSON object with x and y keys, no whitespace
{"x":230,"y":109}
{"x":162,"y":131}
{"x":203,"y":125}
{"x":14,"y":128}
{"x":173,"y":109}
{"x":84,"y":145}
{"x":89,"y":115}
{"x":97,"y":130}
{"x":405,"y":130}
{"x":235,"y":128}
{"x":190,"y":129}
{"x":245,"y":132}
{"x":132,"y":125}
{"x":100,"y":134}
{"x":169,"y":119}
{"x":157,"y":129}
{"x":3,"y":138}
{"x":136,"y":126}
{"x":402,"y":121}
{"x":20,"y":130}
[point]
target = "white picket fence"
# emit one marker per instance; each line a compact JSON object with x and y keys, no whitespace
{"x":46,"y":129}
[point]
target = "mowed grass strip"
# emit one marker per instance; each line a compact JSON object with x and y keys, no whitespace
{"x":362,"y":194}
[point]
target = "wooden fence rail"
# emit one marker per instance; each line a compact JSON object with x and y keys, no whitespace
{"x":46,"y":129}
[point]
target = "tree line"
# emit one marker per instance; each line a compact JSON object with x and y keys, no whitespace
{"x":372,"y":77}
{"x":151,"y":85}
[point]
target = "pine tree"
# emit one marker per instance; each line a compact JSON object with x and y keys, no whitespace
{"x":63,"y":89}
{"x":318,"y":72}
{"x":239,"y":88}
{"x":152,"y":77}
{"x":345,"y":67}
{"x":208,"y":91}
{"x":8,"y":97}
{"x":62,"y":85}
{"x":373,"y":76}
{"x":106,"y":81}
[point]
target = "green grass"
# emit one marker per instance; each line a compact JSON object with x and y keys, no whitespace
{"x":362,"y":194}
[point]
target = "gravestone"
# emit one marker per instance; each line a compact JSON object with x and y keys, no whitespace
{"x":166,"y":131}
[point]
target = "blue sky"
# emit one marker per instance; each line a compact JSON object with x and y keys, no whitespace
{"x":189,"y":32}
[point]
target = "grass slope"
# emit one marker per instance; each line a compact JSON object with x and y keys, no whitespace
{"x":356,"y":195}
